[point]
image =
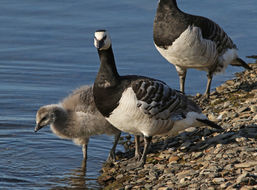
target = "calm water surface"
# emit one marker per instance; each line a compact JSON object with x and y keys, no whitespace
{"x":46,"y":51}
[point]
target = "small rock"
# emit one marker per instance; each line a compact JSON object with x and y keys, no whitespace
{"x":246,"y":164}
{"x":220,"y":89}
{"x":163,"y":188}
{"x":255,"y":118}
{"x":198,"y":95}
{"x":249,"y":187}
{"x":230,"y":82}
{"x":243,"y":109}
{"x":218,"y":180}
{"x":225,"y":185}
{"x":160,"y":167}
{"x":119,"y":176}
{"x":173,"y":158}
{"x":128,"y":187}
{"x":226,"y":104}
{"x":242,"y":178}
{"x":212,"y":117}
{"x":241,"y":139}
{"x":191,"y":129}
{"x":197,"y":154}
{"x":254,"y":108}
{"x":228,"y":167}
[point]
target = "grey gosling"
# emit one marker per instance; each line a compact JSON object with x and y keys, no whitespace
{"x":77,"y":118}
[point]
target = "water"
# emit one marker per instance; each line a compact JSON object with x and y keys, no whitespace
{"x":46,"y":51}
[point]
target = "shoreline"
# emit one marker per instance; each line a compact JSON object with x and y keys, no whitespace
{"x":201,"y":158}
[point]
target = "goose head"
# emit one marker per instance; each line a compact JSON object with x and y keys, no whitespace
{"x":102,"y":40}
{"x":46,"y":115}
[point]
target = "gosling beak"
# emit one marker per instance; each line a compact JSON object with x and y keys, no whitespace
{"x":38,"y":127}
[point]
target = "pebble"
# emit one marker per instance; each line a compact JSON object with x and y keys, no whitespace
{"x":254,"y":109}
{"x":218,"y":180}
{"x":225,"y":185}
{"x":246,"y":164}
{"x":242,"y":178}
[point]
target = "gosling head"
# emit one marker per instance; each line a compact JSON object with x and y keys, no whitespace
{"x":102,"y":40}
{"x":45,"y":116}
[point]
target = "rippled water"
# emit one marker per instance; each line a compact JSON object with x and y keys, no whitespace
{"x":46,"y":51}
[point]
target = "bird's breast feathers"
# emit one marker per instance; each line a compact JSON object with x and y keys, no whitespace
{"x":191,"y":50}
{"x":145,"y":108}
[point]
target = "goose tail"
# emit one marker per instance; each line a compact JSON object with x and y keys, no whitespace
{"x":242,"y":63}
{"x":210,"y":123}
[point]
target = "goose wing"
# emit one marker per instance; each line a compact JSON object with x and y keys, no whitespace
{"x":159,"y":101}
{"x":212,"y":31}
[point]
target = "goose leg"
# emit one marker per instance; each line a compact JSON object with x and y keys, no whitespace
{"x":208,"y":88}
{"x":84,"y":162}
{"x":111,"y":156}
{"x":147,"y":142}
{"x":182,"y":77}
{"x":138,"y":164}
{"x":137,"y":148}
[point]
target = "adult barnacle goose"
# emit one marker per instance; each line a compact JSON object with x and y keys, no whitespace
{"x":77,"y":118}
{"x":140,"y":105}
{"x":190,"y":41}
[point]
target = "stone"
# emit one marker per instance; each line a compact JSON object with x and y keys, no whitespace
{"x":173,"y":158}
{"x":212,"y":117}
{"x":218,"y":180}
{"x":253,"y":108}
{"x":228,"y":167}
{"x":148,"y":186}
{"x":197,"y":155}
{"x":163,"y":188}
{"x":119,"y":176}
{"x":128,"y":187}
{"x":226,"y":104}
{"x":243,"y":109}
{"x":240,"y":139}
{"x":225,"y":185}
{"x":242,"y":178}
{"x":246,"y":164}
{"x":220,"y":89}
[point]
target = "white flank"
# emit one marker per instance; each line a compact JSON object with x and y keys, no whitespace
{"x":190,"y":50}
{"x":228,"y":57}
{"x":129,"y":118}
{"x":189,"y":121}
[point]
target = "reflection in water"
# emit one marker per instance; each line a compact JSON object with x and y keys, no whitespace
{"x":76,"y":179}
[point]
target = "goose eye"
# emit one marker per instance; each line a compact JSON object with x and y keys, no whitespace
{"x":44,"y":118}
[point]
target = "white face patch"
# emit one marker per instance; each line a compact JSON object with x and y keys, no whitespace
{"x":104,"y":38}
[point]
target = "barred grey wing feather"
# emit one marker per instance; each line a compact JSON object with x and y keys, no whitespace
{"x":157,"y":100}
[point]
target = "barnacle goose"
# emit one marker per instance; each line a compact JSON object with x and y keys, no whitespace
{"x":189,"y":41}
{"x":140,"y":105}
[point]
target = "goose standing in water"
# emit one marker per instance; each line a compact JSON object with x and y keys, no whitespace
{"x":140,"y":105}
{"x":190,"y":41}
{"x":77,"y":118}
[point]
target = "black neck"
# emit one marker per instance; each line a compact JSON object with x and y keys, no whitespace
{"x":171,"y":4}
{"x":107,"y":74}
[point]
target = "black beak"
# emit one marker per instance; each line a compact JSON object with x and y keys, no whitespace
{"x":38,"y":127}
{"x":99,"y":43}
